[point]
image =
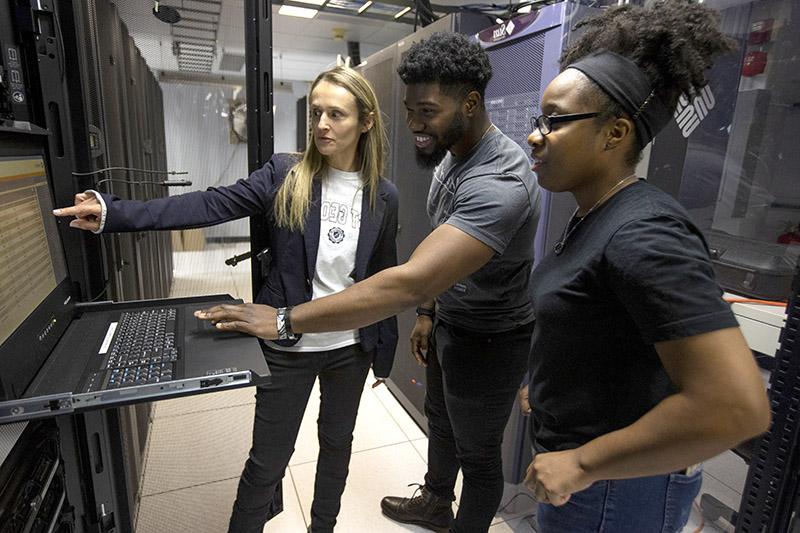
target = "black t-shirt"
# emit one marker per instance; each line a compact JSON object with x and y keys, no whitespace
{"x":633,"y":273}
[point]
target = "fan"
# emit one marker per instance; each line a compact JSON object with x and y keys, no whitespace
{"x":238,"y":119}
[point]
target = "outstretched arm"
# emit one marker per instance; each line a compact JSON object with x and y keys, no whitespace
{"x":191,"y":210}
{"x":445,"y":257}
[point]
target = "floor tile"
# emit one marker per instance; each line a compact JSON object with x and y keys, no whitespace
{"x":729,"y":469}
{"x":421,"y":445}
{"x":374,"y":428}
{"x":197,"y":448}
{"x":518,"y":525}
{"x":720,"y":491}
{"x":291,"y":520}
{"x":204,"y":402}
{"x":243,"y":284}
{"x":517,"y":502}
{"x":398,"y":413}
{"x":307,"y":446}
{"x":200,"y":509}
{"x":206,"y":509}
{"x":373,"y":474}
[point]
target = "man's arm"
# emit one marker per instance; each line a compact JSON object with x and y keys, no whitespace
{"x":430,"y":305}
{"x":446,"y":256}
{"x":720,"y":401}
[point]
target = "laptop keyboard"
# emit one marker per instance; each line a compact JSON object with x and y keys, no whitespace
{"x":143,"y":351}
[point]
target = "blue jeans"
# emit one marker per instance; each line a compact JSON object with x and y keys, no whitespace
{"x":472,"y":383}
{"x":655,"y":504}
{"x":279,"y":410}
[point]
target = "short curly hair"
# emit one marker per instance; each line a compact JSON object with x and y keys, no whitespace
{"x":449,"y":59}
{"x":673,"y":42}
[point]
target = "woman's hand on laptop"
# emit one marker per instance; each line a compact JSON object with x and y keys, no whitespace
{"x":87,"y":212}
{"x":253,"y":319}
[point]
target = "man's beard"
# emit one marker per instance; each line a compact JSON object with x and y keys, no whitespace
{"x":454,"y":132}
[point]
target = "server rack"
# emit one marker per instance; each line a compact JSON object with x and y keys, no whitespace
{"x":771,"y":498}
{"x":121,"y":124}
{"x":92,"y":102}
{"x":32,"y":483}
{"x":260,"y":130}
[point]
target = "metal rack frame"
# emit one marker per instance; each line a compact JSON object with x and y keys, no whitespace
{"x":770,"y":498}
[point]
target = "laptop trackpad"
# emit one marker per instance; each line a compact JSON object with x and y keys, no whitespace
{"x":211,"y":351}
{"x":206,"y":328}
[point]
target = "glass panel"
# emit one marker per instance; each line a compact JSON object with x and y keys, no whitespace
{"x":731,"y":157}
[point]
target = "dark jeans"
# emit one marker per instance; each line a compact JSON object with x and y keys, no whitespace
{"x":655,"y":504}
{"x":472,"y":386}
{"x":279,"y":410}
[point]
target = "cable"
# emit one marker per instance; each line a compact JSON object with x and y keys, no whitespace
{"x":227,"y":165}
{"x":142,"y":170}
{"x":62,"y":50}
{"x":105,"y":290}
{"x":736,"y":300}
{"x":509,"y":502}
{"x":165,"y":183}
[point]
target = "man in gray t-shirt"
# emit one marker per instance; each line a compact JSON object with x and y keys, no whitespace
{"x":484,"y":188}
{"x":492,"y":195}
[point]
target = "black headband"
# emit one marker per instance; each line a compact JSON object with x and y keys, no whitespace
{"x":627,"y":85}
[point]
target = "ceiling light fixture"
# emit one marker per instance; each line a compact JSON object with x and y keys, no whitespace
{"x":365,"y":6}
{"x":294,"y":11}
{"x":402,"y":12}
{"x":313,"y":2}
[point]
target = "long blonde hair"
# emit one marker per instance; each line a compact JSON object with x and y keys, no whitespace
{"x":294,"y":196}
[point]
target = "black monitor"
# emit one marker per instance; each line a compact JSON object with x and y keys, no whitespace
{"x":35,"y":298}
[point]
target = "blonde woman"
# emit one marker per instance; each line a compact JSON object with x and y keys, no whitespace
{"x":332,"y":222}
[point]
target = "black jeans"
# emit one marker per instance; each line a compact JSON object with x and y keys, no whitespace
{"x":279,"y":410}
{"x":472,"y":386}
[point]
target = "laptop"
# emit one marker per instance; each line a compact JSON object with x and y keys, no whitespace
{"x":60,"y":356}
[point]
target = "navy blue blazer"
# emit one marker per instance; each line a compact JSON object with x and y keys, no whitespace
{"x":294,"y":254}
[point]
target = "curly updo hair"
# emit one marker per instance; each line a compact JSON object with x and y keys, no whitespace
{"x":673,"y":42}
{"x":450,"y":59}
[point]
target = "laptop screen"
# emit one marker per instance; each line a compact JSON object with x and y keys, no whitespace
{"x":32,"y":263}
{"x":35,"y":302}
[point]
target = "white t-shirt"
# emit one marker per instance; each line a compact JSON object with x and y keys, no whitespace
{"x":340,"y":223}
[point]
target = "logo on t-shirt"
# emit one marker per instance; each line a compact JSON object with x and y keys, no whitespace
{"x":336,"y":235}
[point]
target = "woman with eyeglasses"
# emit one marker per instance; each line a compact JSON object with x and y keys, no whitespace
{"x":638,"y":370}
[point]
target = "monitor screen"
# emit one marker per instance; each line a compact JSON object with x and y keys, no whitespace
{"x":32,"y":261}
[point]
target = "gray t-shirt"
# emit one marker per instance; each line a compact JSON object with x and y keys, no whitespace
{"x":492,"y":195}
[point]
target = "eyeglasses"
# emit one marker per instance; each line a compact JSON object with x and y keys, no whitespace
{"x":544,"y":123}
